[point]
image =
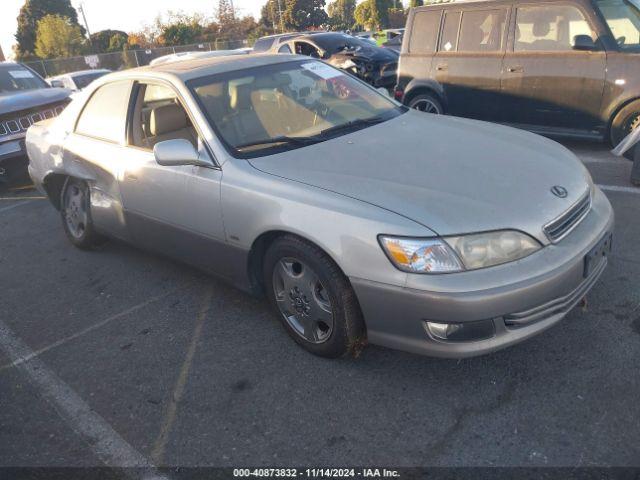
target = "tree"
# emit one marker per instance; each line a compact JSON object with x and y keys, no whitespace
{"x":304,"y":14}
{"x":109,"y":40}
{"x":180,"y":28}
{"x":58,"y":37}
{"x":416,"y":3}
{"x":270,"y":15}
{"x":341,"y":14}
{"x":31,"y":13}
{"x":362,"y":15}
{"x":397,"y":17}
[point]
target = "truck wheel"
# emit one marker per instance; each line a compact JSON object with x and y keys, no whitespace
{"x":625,"y":122}
{"x":75,"y":210}
{"x":426,"y":103}
{"x":313,"y":298}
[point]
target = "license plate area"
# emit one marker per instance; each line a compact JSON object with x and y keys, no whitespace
{"x":598,"y":254}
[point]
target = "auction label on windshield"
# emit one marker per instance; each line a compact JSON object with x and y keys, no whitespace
{"x":322,"y":70}
{"x":21,"y":74}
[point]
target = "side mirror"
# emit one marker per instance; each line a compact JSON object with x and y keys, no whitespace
{"x":172,"y":153}
{"x":57,"y":84}
{"x":584,"y":43}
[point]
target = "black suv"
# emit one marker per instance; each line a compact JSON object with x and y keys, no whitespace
{"x":25,"y":99}
{"x":567,"y":67}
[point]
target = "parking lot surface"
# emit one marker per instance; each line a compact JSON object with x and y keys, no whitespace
{"x":119,"y":356}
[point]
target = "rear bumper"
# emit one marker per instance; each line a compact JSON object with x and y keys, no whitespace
{"x":543,"y":289}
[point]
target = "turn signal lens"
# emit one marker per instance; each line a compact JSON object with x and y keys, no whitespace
{"x":421,"y":255}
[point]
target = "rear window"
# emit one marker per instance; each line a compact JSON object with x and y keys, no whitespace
{"x":449,"y":39}
{"x":16,"y":78}
{"x":105,"y":114}
{"x":482,"y":31}
{"x":263,"y":44}
{"x":424,"y":32}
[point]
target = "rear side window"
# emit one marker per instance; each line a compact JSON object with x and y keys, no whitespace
{"x":482,"y":31}
{"x":549,"y":28}
{"x":263,"y":44}
{"x":285,"y":49}
{"x":424,"y":32}
{"x":105,"y":114}
{"x":449,"y":39}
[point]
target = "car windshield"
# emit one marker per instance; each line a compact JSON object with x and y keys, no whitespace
{"x":15,"y":78}
{"x":338,"y":42}
{"x":275,"y":108}
{"x":83,"y":81}
{"x":623,"y":18}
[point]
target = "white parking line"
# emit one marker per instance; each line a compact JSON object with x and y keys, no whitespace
{"x":615,"y":188}
{"x":89,"y":329}
{"x":107,"y":444}
{"x":15,"y":205}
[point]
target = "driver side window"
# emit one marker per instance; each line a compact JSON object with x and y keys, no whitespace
{"x":304,"y":48}
{"x":159,"y":116}
{"x":285,"y":49}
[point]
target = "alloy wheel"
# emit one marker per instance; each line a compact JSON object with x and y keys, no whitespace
{"x":75,"y":210}
{"x":427,"y":106}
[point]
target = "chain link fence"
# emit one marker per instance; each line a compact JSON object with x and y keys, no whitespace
{"x":126,"y":59}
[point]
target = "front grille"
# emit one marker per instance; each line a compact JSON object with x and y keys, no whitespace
{"x":563,"y":225}
{"x":15,"y":125}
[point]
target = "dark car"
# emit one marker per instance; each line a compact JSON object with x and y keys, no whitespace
{"x":556,"y":67}
{"x":269,"y":42}
{"x":375,"y":65}
{"x":25,"y":99}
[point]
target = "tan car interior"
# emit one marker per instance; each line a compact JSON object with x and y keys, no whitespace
{"x":159,"y":119}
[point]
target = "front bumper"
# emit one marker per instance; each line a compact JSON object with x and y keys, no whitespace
{"x":13,"y":156}
{"x":522,"y":299}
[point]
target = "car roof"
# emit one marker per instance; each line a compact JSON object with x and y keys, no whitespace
{"x":203,"y":67}
{"x":83,"y":72}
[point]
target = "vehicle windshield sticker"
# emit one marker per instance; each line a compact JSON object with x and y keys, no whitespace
{"x":448,"y":46}
{"x":21,"y":74}
{"x":322,"y":70}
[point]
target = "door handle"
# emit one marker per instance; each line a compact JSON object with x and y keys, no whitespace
{"x":442,"y":68}
{"x":517,"y":69}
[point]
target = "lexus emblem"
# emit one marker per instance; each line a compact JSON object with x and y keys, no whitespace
{"x":559,"y":191}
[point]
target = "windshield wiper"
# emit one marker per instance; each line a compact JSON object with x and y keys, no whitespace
{"x":352,"y":125}
{"x":284,"y":140}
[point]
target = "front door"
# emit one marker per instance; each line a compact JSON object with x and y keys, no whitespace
{"x":549,"y":84}
{"x":174,"y":210}
{"x":469,"y":61}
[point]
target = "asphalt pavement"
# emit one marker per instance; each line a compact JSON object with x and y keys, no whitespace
{"x":121,"y":357}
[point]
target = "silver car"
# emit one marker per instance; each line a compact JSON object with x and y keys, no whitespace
{"x":361,"y":221}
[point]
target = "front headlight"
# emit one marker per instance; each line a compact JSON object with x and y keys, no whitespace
{"x":455,"y":254}
{"x":416,"y":255}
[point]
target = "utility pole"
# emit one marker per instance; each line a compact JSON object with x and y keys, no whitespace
{"x":86,"y":24}
{"x":281,"y":21}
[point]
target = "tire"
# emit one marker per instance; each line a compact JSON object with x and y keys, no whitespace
{"x":627,"y":120}
{"x":75,"y":211}
{"x":427,"y":103}
{"x":313,"y":298}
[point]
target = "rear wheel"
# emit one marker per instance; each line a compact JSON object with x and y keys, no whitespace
{"x":426,"y":103}
{"x":75,"y":209}
{"x":313,"y":298}
{"x":625,"y":122}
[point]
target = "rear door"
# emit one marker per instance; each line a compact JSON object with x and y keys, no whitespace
{"x":550,"y":85}
{"x":95,"y":151}
{"x":469,"y":61}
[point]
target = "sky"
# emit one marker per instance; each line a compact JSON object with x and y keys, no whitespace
{"x":127,"y":15}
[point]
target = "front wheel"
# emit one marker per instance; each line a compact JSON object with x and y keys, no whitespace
{"x":426,"y":103}
{"x":75,"y":209}
{"x":625,"y":122}
{"x":313,"y":298}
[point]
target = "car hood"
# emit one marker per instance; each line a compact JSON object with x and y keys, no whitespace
{"x":451,"y":175}
{"x":15,"y":102}
{"x":373,"y":54}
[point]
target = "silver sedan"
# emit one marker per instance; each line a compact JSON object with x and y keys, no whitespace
{"x":361,"y":221}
